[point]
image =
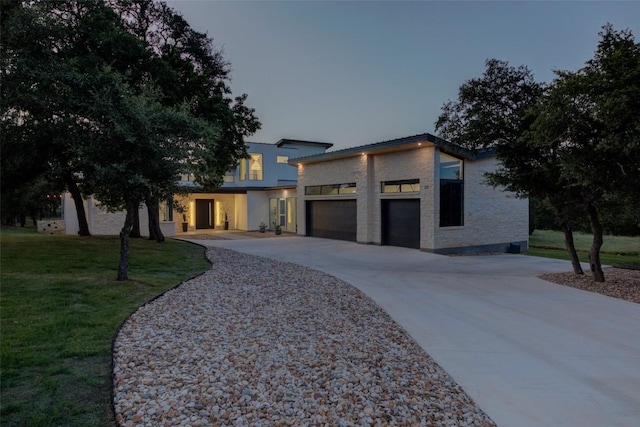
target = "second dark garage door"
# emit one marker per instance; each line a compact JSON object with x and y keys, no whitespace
{"x":401,"y":223}
{"x":332,"y":219}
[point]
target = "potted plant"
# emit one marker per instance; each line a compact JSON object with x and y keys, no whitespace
{"x":224,"y":210}
{"x":278,"y":229}
{"x":263,"y":227}
{"x":185,"y":224}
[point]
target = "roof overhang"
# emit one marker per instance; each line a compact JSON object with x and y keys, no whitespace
{"x":285,"y":141}
{"x":395,"y":145}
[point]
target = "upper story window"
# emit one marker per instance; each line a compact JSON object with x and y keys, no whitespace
{"x":282,"y":159}
{"x":252,"y":167}
{"x":451,"y":191}
{"x":403,"y":186}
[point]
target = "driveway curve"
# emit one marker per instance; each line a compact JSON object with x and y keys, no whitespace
{"x":529,"y":352}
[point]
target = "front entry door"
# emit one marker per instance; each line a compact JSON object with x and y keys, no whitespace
{"x":204,"y":213}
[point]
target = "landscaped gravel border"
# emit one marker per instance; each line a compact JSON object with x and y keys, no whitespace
{"x":619,"y":283}
{"x":256,"y":342}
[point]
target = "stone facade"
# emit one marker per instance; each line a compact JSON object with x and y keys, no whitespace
{"x":56,"y":226}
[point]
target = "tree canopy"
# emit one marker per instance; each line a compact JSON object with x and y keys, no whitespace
{"x":115,"y":99}
{"x":574,"y":144}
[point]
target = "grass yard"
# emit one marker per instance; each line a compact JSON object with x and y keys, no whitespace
{"x":616,"y":250}
{"x":60,"y":308}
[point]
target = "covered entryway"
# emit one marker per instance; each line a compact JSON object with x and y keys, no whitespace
{"x":332,"y":219}
{"x":401,"y":222}
{"x":204,"y":213}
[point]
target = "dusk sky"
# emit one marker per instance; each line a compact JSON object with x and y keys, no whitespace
{"x":360,"y":72}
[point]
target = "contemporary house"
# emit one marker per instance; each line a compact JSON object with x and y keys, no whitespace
{"x":418,"y":192}
{"x":261,"y":188}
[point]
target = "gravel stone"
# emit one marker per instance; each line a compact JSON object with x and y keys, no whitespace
{"x":619,"y":283}
{"x":258,"y":342}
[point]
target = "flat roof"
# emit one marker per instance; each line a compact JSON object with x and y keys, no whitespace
{"x":286,"y":141}
{"x":394,"y":145}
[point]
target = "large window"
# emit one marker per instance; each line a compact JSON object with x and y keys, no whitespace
{"x":451,"y":191}
{"x":255,"y":167}
{"x":325,"y":190}
{"x":252,"y":167}
{"x":404,"y":186}
{"x":282,"y":212}
{"x":243,"y":169}
{"x":166,"y":210}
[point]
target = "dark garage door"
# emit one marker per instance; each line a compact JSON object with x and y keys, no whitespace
{"x":332,"y":219}
{"x":401,"y":223}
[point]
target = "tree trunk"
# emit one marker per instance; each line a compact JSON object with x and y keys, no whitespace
{"x":594,"y":252}
{"x":153,"y":209}
{"x":123,"y":266}
{"x":571,"y":248}
{"x":83,"y":225}
{"x":532,"y":218}
{"x":135,"y":224}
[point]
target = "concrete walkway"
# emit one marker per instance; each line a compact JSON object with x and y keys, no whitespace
{"x":529,"y":352}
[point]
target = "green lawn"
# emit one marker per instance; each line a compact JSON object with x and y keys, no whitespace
{"x":616,"y":250}
{"x":60,"y":308}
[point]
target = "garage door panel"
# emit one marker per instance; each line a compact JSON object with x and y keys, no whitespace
{"x":401,"y":223}
{"x":332,"y":219}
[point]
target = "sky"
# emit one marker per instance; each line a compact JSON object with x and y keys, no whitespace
{"x":359,"y":72}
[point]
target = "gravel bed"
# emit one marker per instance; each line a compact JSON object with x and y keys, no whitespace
{"x":256,"y":342}
{"x":619,"y":283}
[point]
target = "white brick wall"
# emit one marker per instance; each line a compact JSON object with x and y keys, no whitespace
{"x":102,"y":222}
{"x":412,"y":164}
{"x":491,"y":216}
{"x":352,"y":169}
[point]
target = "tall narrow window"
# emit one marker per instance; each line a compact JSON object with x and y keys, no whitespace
{"x":451,"y":191}
{"x":243,"y":169}
{"x":255,"y":167}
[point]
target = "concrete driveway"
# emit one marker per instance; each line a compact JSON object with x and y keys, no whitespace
{"x":529,"y":352}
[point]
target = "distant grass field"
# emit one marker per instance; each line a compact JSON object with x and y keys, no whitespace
{"x":616,"y":250}
{"x":60,"y":308}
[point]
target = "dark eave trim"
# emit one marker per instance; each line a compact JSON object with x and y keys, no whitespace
{"x":400,"y":144}
{"x":285,"y":141}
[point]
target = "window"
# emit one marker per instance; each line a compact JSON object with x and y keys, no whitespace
{"x":227,"y":178}
{"x":282,"y":159}
{"x":243,"y":169}
{"x":450,"y":167}
{"x":255,"y":167}
{"x":348,"y":188}
{"x":332,"y":189}
{"x":313,"y":190}
{"x":451,"y":191}
{"x":404,"y":186}
{"x":166,"y":210}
